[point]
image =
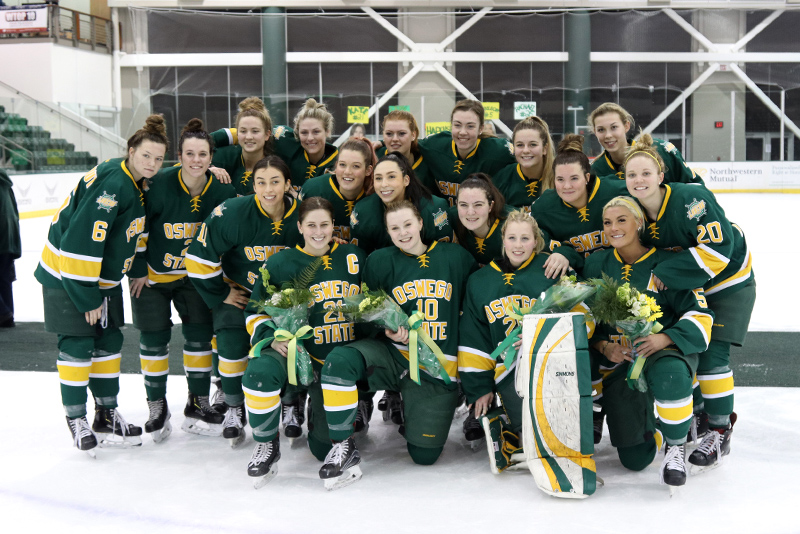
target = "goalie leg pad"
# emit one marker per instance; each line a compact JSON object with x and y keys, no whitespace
{"x":554,"y":380}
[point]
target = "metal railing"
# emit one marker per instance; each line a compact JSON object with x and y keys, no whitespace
{"x":66,"y":26}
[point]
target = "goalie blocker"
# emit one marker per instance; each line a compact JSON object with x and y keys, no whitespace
{"x":553,"y":378}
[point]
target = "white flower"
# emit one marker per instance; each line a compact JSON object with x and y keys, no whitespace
{"x":276,"y":299}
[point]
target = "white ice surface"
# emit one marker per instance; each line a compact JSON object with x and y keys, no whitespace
{"x":767,"y":220}
{"x":196,"y":484}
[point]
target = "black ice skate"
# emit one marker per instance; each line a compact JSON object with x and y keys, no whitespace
{"x":201,"y":418}
{"x":363,"y":415}
{"x":394,"y":407}
{"x":158,"y":423}
{"x":341,"y":465}
{"x":292,"y":418}
{"x":114,"y":431}
{"x":218,"y":399}
{"x":383,"y":404}
{"x":233,"y":425}
{"x":699,"y":428}
{"x":598,"y":418}
{"x":673,"y":468}
{"x":717,"y":443}
{"x":473,"y":430}
{"x":82,"y":435}
{"x":263,"y":464}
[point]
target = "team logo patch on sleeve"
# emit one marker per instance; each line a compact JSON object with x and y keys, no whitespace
{"x":439,"y":219}
{"x":669,"y":147}
{"x":218,"y":211}
{"x":696,"y":209}
{"x":106,"y":202}
{"x":279,"y":131}
{"x":510,"y":147}
{"x":353,"y":218}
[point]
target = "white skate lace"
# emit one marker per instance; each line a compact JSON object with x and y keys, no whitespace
{"x":219,"y":396}
{"x":155,"y":408}
{"x":204,"y":404}
{"x":712,"y":442}
{"x":290,"y":415}
{"x":693,"y":429}
{"x":261,"y":453}
{"x":233,"y":417}
{"x":337,"y":454}
{"x":81,"y":429}
{"x":117,"y":419}
{"x":673,"y":460}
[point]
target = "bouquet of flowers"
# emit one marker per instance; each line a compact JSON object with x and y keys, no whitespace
{"x":633,"y":313}
{"x":288,"y":309}
{"x":377,"y":307}
{"x":558,"y":298}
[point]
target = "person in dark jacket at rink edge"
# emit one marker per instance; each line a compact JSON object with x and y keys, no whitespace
{"x":10,"y":248}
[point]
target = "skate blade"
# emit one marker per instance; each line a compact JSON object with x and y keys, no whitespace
{"x":673,"y":490}
{"x":192,"y":427}
{"x":113,"y":441}
{"x":490,"y":445}
{"x":350,"y":476}
{"x":235,"y":442}
{"x":161,"y":435}
{"x":385,"y":415}
{"x":91,"y":453}
{"x":461,"y":411}
{"x":695,"y":470}
{"x":260,"y":482}
{"x":476,"y":445}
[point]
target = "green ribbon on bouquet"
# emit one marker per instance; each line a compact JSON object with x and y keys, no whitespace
{"x":304,"y":332}
{"x":517,"y":314}
{"x":416,"y":335}
{"x":635,"y":369}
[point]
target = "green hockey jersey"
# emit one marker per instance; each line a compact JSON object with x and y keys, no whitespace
{"x":485,"y":322}
{"x":686,"y":320}
{"x":490,"y":155}
{"x":173,"y":218}
{"x":288,"y":147}
{"x":582,"y":229}
{"x":327,"y":187}
{"x":228,"y":156}
{"x":676,"y":168}
{"x":421,"y":171}
{"x":710,"y":252}
{"x":368,"y":229}
{"x":93,"y":237}
{"x":339,"y":276}
{"x":432,"y":283}
{"x":234,"y":242}
{"x":516,"y":188}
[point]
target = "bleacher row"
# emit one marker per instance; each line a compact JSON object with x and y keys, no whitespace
{"x":48,"y":154}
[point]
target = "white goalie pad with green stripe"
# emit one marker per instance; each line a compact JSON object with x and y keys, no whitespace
{"x":553,"y":378}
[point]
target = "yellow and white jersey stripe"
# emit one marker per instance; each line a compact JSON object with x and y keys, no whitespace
{"x":200,"y":268}
{"x":708,"y":259}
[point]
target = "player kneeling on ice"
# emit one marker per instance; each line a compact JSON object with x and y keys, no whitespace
{"x":497,"y":297}
{"x":662,"y":362}
{"x":315,"y":278}
{"x":427,"y":281}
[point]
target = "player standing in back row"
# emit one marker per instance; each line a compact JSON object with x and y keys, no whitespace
{"x":90,"y":246}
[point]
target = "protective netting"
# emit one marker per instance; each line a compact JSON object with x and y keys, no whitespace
{"x":644,"y":87}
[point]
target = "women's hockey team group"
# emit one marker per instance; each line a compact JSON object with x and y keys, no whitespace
{"x":446,"y":225}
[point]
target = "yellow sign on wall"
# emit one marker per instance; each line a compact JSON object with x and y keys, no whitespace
{"x":357,"y":114}
{"x":436,"y":127}
{"x":491,"y":111}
